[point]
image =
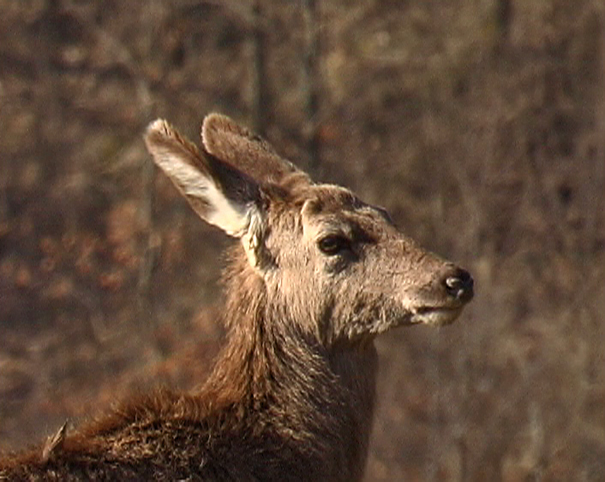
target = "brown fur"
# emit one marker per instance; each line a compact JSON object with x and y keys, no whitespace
{"x":292,"y":393}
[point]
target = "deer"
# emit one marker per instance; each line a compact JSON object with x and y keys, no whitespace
{"x":316,"y":275}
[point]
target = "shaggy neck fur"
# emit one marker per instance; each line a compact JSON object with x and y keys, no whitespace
{"x":302,"y":393}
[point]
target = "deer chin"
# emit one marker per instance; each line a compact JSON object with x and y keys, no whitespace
{"x":435,"y":315}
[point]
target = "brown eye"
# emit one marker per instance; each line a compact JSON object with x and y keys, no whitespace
{"x":333,"y":244}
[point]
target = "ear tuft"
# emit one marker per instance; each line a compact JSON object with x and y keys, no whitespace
{"x":163,"y":141}
{"x":159,"y":125}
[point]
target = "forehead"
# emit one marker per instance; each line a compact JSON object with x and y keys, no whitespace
{"x":327,"y":198}
{"x":329,"y":203}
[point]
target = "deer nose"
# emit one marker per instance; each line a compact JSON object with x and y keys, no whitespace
{"x":459,"y":285}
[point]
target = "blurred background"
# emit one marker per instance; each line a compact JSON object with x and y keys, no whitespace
{"x":479,"y":124}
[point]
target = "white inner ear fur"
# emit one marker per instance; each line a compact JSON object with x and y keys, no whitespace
{"x":244,"y":221}
{"x":231,"y":217}
{"x":253,"y":239}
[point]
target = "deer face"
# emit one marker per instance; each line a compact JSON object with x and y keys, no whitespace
{"x":341,"y":266}
{"x":330,"y":263}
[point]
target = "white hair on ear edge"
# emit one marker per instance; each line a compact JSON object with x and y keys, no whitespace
{"x":184,"y":165}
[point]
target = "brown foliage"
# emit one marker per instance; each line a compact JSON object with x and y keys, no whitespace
{"x":478,"y":124}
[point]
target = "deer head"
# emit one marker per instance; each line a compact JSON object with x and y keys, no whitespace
{"x":336,"y":267}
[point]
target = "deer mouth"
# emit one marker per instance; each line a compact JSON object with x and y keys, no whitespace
{"x":435,"y":315}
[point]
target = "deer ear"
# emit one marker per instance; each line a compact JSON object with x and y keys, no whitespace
{"x":218,"y":193}
{"x":250,"y":153}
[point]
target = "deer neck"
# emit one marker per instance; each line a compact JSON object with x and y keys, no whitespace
{"x":295,"y":386}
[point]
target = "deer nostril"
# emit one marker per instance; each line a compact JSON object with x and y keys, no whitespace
{"x":460,"y":285}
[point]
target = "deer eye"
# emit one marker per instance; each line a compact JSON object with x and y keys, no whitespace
{"x":333,"y":244}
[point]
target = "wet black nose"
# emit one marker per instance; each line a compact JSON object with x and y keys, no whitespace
{"x":459,"y":285}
